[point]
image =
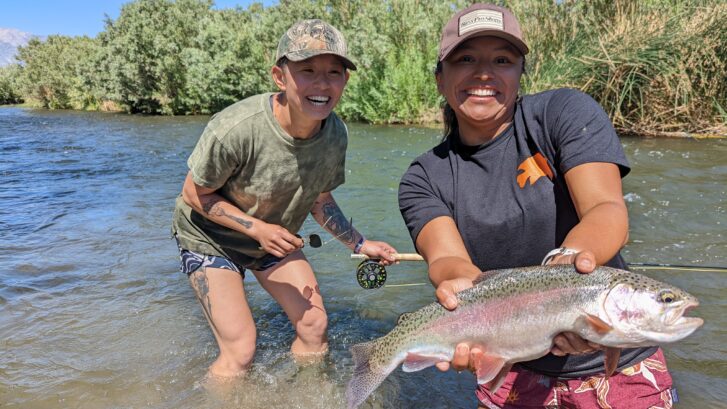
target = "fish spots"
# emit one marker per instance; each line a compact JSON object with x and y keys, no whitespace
{"x":514,"y":313}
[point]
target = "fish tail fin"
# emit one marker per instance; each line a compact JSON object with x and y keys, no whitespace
{"x":365,"y":378}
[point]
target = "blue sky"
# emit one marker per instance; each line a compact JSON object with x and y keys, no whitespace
{"x":72,"y":17}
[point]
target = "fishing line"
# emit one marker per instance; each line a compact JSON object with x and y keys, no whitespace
{"x":676,"y":267}
{"x":371,"y":274}
{"x":405,"y":285}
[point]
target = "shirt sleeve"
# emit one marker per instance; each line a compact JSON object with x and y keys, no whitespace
{"x":211,"y":162}
{"x":339,"y":176}
{"x":418,"y":201}
{"x":582,"y":132}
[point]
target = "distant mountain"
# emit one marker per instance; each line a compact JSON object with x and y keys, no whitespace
{"x":10,"y":40}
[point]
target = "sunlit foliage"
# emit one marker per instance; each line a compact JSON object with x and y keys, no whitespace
{"x":655,"y":66}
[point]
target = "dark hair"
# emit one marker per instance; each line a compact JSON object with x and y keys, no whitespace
{"x":451,"y":126}
{"x":282,"y":61}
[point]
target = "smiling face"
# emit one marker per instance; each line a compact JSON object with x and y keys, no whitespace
{"x":480,"y":81}
{"x":312,"y":87}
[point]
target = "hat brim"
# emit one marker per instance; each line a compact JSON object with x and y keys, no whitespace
{"x":518,"y":43}
{"x":300,"y":56}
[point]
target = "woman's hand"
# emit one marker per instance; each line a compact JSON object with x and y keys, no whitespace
{"x":379,"y":250}
{"x":569,"y":342}
{"x":464,"y":353}
{"x":275,"y":239}
{"x":584,"y":261}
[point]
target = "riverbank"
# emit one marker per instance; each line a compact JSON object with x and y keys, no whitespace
{"x":656,"y":67}
{"x":716,"y":132}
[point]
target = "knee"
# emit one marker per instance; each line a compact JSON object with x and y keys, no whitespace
{"x":313,"y":325}
{"x":234,"y":359}
{"x":242,"y":357}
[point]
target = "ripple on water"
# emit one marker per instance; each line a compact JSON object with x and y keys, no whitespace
{"x":99,"y":316}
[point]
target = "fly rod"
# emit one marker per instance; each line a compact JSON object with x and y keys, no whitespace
{"x":370,"y":274}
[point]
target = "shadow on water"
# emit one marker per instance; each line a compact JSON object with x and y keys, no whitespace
{"x":94,"y":312}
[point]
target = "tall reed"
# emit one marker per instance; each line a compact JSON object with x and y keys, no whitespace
{"x":657,"y":66}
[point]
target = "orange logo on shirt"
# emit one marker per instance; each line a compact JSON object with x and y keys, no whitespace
{"x":533,"y":168}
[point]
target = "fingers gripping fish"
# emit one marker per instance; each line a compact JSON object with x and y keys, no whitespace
{"x":513,"y":314}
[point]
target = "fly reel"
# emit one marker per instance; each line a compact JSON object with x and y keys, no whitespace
{"x":371,"y":275}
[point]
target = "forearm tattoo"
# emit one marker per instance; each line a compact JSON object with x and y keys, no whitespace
{"x":213,"y":207}
{"x":337,"y":223}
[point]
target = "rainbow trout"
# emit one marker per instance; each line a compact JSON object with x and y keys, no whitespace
{"x":514,"y":315}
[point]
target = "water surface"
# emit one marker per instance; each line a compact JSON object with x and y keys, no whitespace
{"x":94,"y":312}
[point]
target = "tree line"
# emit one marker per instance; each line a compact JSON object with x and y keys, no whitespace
{"x":655,"y":65}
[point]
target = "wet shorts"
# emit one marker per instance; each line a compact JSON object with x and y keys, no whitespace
{"x":647,"y":384}
{"x":191,"y":262}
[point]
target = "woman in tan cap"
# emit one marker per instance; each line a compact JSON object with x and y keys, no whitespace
{"x":520,"y":180}
{"x":259,"y":168}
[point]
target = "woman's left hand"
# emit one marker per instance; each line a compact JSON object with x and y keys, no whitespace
{"x":379,"y":250}
{"x":585,"y":261}
{"x":569,"y":342}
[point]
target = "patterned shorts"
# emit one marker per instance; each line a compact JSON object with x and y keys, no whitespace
{"x":647,"y":384}
{"x":192,"y":261}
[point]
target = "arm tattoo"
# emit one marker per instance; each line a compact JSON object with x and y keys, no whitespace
{"x":213,"y":207}
{"x":337,"y":223}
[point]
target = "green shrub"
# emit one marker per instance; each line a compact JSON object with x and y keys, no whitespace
{"x":9,"y":88}
{"x":655,"y":65}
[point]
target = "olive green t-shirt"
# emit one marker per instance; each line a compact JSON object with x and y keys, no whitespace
{"x":251,"y":161}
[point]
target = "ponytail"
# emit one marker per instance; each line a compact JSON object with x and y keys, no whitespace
{"x":451,"y":126}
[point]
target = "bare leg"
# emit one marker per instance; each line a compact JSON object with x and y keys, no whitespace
{"x":294,"y":286}
{"x":223,"y":300}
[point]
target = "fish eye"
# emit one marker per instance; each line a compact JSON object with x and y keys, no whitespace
{"x":667,"y":296}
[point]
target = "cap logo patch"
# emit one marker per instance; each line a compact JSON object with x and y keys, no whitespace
{"x":479,"y":20}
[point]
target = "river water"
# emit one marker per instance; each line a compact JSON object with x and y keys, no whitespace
{"x":94,"y":312}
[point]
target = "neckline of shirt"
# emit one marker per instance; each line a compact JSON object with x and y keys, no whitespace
{"x":470,"y":150}
{"x":278,"y":130}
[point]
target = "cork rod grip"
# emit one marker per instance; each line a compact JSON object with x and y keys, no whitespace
{"x":398,"y":257}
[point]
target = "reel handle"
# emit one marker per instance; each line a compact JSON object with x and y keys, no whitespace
{"x":397,"y":256}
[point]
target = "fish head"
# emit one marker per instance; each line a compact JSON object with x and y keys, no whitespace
{"x":648,"y":312}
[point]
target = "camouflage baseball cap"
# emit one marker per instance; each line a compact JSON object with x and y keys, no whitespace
{"x":308,"y":38}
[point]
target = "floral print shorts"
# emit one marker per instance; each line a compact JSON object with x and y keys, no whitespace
{"x":647,"y":384}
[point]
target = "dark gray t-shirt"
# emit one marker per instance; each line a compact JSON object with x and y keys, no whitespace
{"x":509,"y":198}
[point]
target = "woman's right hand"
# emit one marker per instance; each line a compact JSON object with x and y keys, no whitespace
{"x":275,"y":239}
{"x":464,"y":354}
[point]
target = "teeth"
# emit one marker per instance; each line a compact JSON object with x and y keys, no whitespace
{"x":319,"y":100}
{"x":481,"y":92}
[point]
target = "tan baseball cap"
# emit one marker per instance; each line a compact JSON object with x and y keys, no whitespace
{"x":477,"y":20}
{"x":308,"y":38}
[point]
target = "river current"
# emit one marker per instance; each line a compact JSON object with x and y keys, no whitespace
{"x":94,"y":312}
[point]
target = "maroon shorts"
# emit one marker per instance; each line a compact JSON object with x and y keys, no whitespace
{"x":645,"y":385}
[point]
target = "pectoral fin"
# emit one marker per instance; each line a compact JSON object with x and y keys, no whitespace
{"x":610,"y":359}
{"x":598,"y":325}
{"x":487,"y":367}
{"x":497,"y":381}
{"x":416,"y":362}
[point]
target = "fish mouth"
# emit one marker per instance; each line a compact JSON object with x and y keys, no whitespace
{"x":678,"y":320}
